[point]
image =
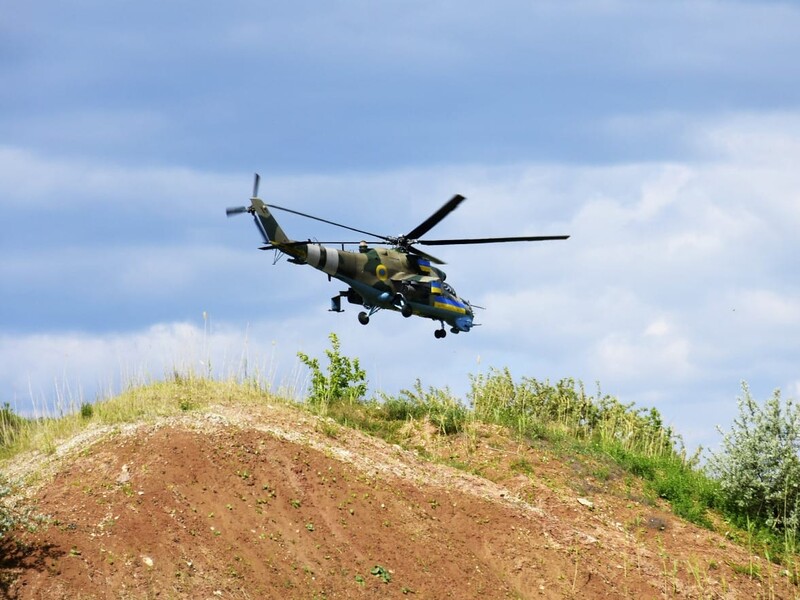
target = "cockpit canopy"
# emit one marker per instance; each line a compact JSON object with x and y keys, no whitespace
{"x":449,"y":289}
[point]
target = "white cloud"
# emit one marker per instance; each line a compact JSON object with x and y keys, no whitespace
{"x":657,"y":328}
{"x":95,"y":189}
{"x":770,"y":308}
{"x":627,"y":357}
{"x":761,"y":140}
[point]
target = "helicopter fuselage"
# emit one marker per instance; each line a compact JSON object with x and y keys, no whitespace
{"x":385,"y":278}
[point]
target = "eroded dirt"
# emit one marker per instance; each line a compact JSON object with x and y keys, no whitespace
{"x":270,"y":502}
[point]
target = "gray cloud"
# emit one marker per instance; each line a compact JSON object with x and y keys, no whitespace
{"x":351,"y":85}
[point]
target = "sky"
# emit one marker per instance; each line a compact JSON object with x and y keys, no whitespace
{"x":662,"y":136}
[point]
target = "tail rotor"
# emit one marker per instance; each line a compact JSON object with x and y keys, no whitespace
{"x":237,"y":210}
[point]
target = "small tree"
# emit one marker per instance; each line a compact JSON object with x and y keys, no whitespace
{"x":346,"y":380}
{"x":758,"y":466}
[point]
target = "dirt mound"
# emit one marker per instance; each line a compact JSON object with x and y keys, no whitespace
{"x":272,"y":502}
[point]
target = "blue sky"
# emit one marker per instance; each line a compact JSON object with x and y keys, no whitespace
{"x":664,"y":137}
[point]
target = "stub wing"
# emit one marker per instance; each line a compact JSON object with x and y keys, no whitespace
{"x":402,"y":277}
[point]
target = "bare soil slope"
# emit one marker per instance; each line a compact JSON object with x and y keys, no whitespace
{"x":270,"y":502}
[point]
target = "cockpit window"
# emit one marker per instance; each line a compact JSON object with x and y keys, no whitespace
{"x":448,"y":289}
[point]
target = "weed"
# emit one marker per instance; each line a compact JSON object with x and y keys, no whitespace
{"x":328,"y":428}
{"x":16,"y":513}
{"x":751,"y":570}
{"x":87,"y":410}
{"x":577,"y":553}
{"x":602,"y":473}
{"x":522,"y":465}
{"x":382,"y":573}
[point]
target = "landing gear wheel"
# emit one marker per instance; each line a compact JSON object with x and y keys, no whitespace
{"x":439,"y":333}
{"x":363,"y":318}
{"x":454,"y":330}
{"x":406,"y":311}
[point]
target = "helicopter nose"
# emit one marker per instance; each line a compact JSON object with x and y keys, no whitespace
{"x":464,"y":323}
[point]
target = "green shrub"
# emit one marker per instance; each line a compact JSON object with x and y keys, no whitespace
{"x":758,"y":467}
{"x":87,"y":410}
{"x":345,"y":380}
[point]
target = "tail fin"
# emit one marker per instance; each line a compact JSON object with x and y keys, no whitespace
{"x":266,"y":223}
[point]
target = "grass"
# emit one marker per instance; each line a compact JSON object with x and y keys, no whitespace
{"x":606,"y":433}
{"x":145,"y":403}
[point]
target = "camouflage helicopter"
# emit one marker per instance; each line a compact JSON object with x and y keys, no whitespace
{"x":401,"y":278}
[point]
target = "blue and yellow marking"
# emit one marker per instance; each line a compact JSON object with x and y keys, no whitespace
{"x":381,"y":272}
{"x":424,"y":265}
{"x":443,"y":302}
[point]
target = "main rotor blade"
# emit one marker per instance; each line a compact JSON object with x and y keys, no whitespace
{"x":331,"y":243}
{"x":350,"y":243}
{"x":494,"y":240}
{"x":423,"y":254}
{"x":256,"y":182}
{"x":434,"y":219}
{"x":297,"y":212}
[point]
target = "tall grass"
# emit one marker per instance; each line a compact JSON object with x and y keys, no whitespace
{"x":535,"y":408}
{"x":635,"y":438}
{"x":178,"y":394}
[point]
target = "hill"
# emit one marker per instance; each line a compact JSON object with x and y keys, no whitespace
{"x":233,"y":494}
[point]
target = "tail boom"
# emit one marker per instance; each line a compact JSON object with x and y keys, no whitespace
{"x":266,"y":223}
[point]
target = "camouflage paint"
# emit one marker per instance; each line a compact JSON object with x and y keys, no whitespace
{"x":378,"y":275}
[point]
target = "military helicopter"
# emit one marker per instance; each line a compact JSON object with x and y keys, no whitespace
{"x":401,"y":278}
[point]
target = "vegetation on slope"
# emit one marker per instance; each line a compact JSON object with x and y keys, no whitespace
{"x":751,"y":488}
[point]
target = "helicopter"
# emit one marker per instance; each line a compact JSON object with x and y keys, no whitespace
{"x":400,"y":278}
